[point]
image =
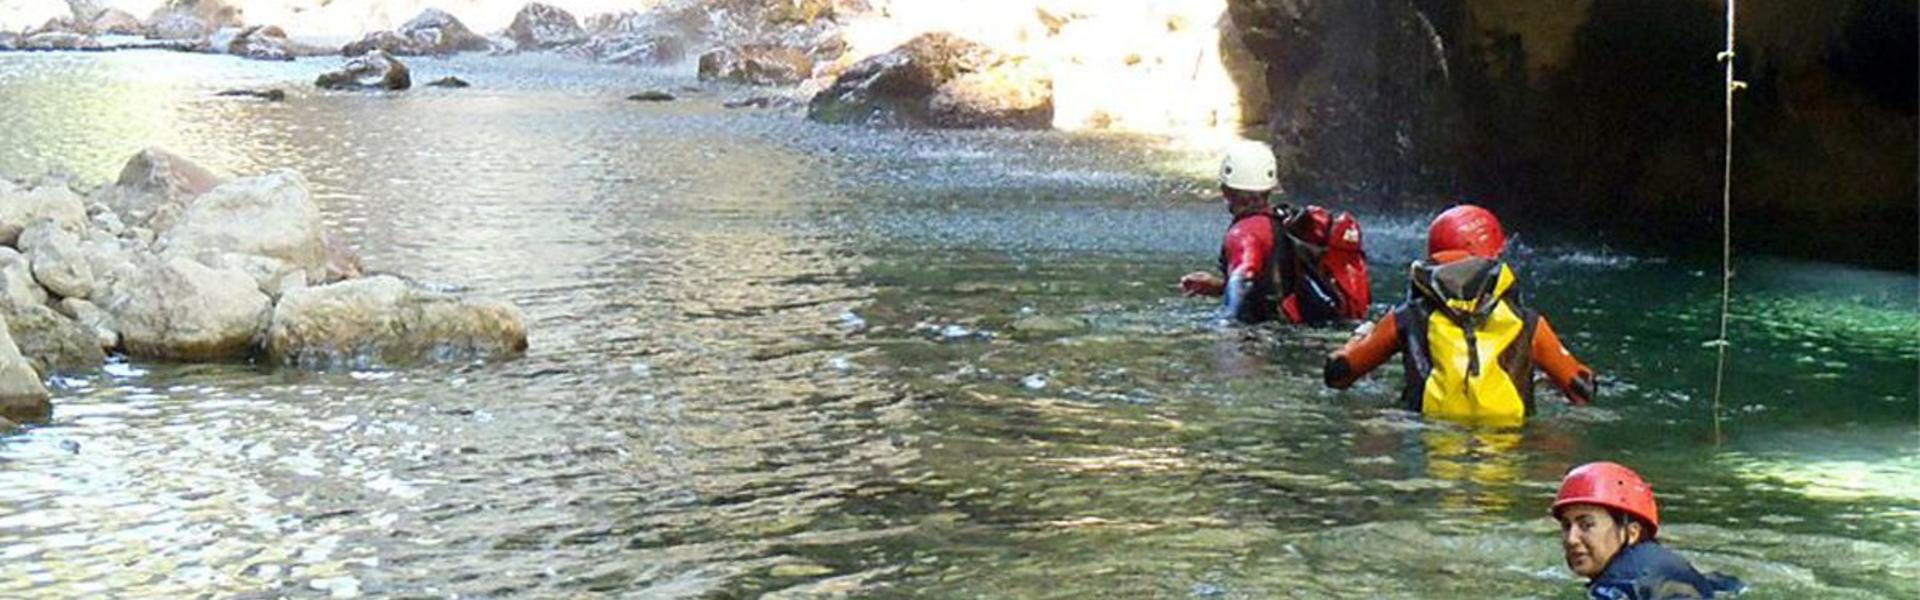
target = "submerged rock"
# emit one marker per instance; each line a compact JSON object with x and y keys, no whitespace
{"x":938,"y":80}
{"x":432,"y":32}
{"x":1045,"y":327}
{"x":178,"y":309}
{"x":652,"y":96}
{"x":270,"y":95}
{"x":449,"y":82}
{"x":756,"y":64}
{"x":385,"y":319}
{"x":539,"y":26}
{"x":22,"y":397}
{"x":373,"y":71}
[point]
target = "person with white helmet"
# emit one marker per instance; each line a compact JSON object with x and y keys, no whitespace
{"x":1303,"y":265}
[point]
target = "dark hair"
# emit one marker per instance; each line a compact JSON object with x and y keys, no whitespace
{"x":1622,"y":519}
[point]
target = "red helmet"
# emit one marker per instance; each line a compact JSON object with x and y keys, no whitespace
{"x":1467,"y":228}
{"x":1611,"y":486}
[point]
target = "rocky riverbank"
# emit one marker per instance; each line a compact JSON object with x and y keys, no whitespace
{"x":173,"y":262}
{"x":1063,"y":64}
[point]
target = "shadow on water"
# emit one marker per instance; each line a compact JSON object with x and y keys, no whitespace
{"x":776,"y":358}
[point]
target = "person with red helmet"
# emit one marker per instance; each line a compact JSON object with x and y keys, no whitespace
{"x":1608,"y":529}
{"x":1302,"y":265}
{"x":1470,"y":346}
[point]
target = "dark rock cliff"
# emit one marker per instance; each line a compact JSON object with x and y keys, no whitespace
{"x":1608,"y":112}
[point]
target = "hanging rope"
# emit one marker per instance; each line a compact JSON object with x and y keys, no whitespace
{"x":1726,"y":226}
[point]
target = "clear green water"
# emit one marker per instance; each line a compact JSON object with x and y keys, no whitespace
{"x":771,"y":358}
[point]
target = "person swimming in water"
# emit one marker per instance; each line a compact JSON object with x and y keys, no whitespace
{"x":1608,"y":529}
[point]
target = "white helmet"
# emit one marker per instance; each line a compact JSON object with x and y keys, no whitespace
{"x":1249,"y":166}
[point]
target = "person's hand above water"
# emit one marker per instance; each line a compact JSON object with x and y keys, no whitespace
{"x":1201,"y":283}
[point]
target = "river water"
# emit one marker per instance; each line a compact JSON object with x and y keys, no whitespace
{"x":775,"y":358}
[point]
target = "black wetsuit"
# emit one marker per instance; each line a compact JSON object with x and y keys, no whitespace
{"x":1649,"y":571}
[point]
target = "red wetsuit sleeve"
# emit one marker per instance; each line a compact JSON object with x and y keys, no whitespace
{"x":1247,"y":245}
{"x":1363,"y":355}
{"x":1573,"y":379}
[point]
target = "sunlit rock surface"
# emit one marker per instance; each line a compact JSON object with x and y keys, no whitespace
{"x":22,"y":397}
{"x":758,"y":64}
{"x":20,"y":208}
{"x":114,"y":21}
{"x":940,"y":80}
{"x":57,"y":260}
{"x":51,"y":342}
{"x":262,"y":42}
{"x":154,"y":188}
{"x":544,"y":26}
{"x":385,"y":319}
{"x":376,"y":70}
{"x":433,"y":31}
{"x":271,"y":215}
{"x":178,"y":309}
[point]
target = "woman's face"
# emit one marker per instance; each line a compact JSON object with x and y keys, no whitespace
{"x":1591,"y":537}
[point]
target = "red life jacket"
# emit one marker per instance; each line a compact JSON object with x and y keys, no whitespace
{"x":1323,"y":268}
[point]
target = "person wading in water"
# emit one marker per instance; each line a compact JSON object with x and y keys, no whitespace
{"x":1303,"y":265}
{"x":1470,"y":345}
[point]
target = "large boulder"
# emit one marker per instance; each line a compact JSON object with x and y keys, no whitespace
{"x":154,"y":188}
{"x":433,"y":31}
{"x":633,"y":49}
{"x":17,"y":286}
{"x":110,"y":259}
{"x":376,"y":70}
{"x":58,"y":40}
{"x":261,"y":42}
{"x":114,"y":21}
{"x":52,"y":201}
{"x":209,"y":15}
{"x":1015,"y":93}
{"x":177,"y":26}
{"x":94,"y":318}
{"x":57,"y":261}
{"x":757,"y":64}
{"x":982,"y":88}
{"x":342,"y":261}
{"x":271,"y":215}
{"x":51,"y":342}
{"x":384,"y":319}
{"x":61,"y":24}
{"x":176,"y":308}
{"x":86,"y":11}
{"x":543,"y":26}
{"x":22,"y":397}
